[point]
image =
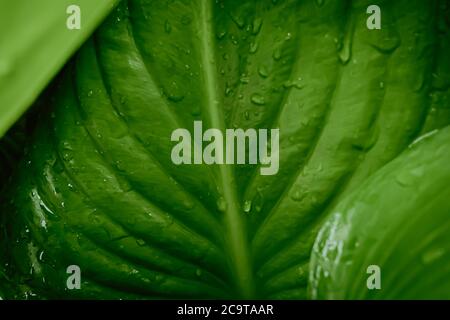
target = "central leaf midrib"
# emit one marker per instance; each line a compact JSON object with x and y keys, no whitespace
{"x":235,"y":233}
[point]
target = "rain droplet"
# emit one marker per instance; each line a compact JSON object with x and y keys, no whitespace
{"x":253,"y":47}
{"x":258,"y":99}
{"x":221,"y":204}
{"x":167,"y":27}
{"x":238,"y":20}
{"x":263,"y":72}
{"x":247,"y":206}
{"x":221,"y":34}
{"x":345,"y":53}
{"x":244,"y":79}
{"x":140,"y":242}
{"x":228,"y":91}
{"x":388,"y":44}
{"x":257,"y":23}
{"x":297,"y":195}
{"x":276,"y":54}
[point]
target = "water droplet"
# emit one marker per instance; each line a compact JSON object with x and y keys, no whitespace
{"x":247,"y":206}
{"x":90,"y":93}
{"x":140,"y":242}
{"x":238,"y":20}
{"x":221,"y":204}
{"x":276,"y":54}
{"x":263,"y":72}
{"x":381,"y":84}
{"x":297,"y":195}
{"x":174,"y":92}
{"x":221,"y":34}
{"x":387,"y":44}
{"x":338,"y":43}
{"x":244,"y":79}
{"x":198,"y":272}
{"x":345,"y":53}
{"x":258,"y":99}
{"x":257,"y":23}
{"x":228,"y":91}
{"x":258,"y":201}
{"x":167,"y":27}
{"x":253,"y":47}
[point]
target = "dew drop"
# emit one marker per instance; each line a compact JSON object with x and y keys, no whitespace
{"x":140,"y":242}
{"x":257,"y":23}
{"x":276,"y":54}
{"x":167,"y":27}
{"x":244,"y":79}
{"x":263,"y":72}
{"x":253,"y":47}
{"x":238,"y":20}
{"x":388,"y":44}
{"x":247,"y":206}
{"x":221,"y":34}
{"x":222,"y":204}
{"x":257,"y":99}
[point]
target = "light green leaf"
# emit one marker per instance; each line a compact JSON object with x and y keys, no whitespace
{"x":398,"y":221}
{"x":34,"y":44}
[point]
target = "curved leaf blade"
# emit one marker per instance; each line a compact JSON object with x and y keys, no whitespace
{"x":35,"y":43}
{"x":398,"y":221}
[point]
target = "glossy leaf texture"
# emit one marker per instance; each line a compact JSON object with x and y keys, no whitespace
{"x":99,"y":190}
{"x":397,"y":221}
{"x":35,"y":44}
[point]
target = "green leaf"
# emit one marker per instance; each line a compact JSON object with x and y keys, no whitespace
{"x":35,"y":43}
{"x":398,"y":221}
{"x":99,"y":190}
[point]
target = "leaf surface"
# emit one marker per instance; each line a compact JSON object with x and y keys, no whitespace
{"x":99,"y":189}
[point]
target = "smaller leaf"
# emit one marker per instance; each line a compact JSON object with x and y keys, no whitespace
{"x":396,"y":225}
{"x":35,"y":43}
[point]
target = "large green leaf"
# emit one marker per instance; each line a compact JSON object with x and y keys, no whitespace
{"x":99,"y":189}
{"x":398,"y":221}
{"x":34,"y":44}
